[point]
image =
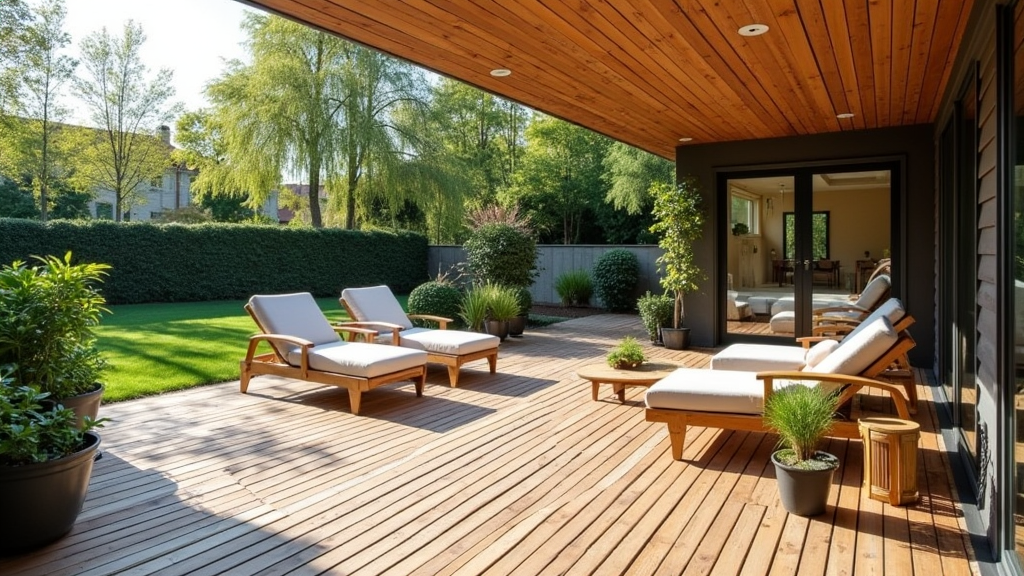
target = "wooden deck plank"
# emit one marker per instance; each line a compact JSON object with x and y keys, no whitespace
{"x":517,"y":472}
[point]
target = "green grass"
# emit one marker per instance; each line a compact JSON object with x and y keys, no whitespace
{"x":155,"y":348}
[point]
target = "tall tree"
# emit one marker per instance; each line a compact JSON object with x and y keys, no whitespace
{"x":46,"y":70}
{"x":123,"y":154}
{"x":14,"y":17}
{"x":631,"y":172}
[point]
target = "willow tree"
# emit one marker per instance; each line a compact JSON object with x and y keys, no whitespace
{"x":631,"y":173}
{"x":122,"y":154}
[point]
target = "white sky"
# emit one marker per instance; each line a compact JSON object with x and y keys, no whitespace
{"x":194,"y":38}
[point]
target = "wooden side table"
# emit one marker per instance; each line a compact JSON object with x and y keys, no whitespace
{"x":890,"y":459}
{"x":648,"y":373}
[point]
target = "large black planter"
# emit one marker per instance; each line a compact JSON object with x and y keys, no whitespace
{"x":676,"y":338}
{"x":40,"y":502}
{"x":83,"y":405}
{"x":516,"y":326}
{"x":804,"y":492}
{"x":497,"y":328}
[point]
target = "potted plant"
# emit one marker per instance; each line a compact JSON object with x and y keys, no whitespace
{"x":502,"y":305}
{"x":802,"y":416}
{"x":47,"y":316}
{"x":45,"y":462}
{"x":628,"y":354}
{"x":679,"y":217}
{"x":473,"y":308}
{"x":739,"y":229}
{"x":517,"y":324}
{"x":655,"y":312}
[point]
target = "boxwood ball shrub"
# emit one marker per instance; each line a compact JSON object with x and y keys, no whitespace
{"x":616,"y":273}
{"x":436,"y":298}
{"x":501,"y":254}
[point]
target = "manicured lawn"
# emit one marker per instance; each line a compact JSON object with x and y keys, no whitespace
{"x":154,"y":348}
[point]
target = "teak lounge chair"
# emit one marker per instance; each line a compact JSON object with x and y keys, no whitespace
{"x":306,"y":347}
{"x":734,"y":400}
{"x":875,"y":293}
{"x":377,"y":308}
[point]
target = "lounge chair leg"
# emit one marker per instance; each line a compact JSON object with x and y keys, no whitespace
{"x":493,"y":362}
{"x":354,"y":396}
{"x":453,"y":376}
{"x":419,"y":381}
{"x":677,"y":435}
{"x":243,"y":382}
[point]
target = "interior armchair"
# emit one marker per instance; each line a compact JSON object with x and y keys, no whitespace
{"x":827,"y":272}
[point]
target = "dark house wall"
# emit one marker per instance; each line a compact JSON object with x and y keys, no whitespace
{"x":914,"y":221}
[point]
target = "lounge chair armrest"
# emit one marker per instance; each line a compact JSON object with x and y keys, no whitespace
{"x":441,"y":320}
{"x":255,"y":340}
{"x":808,"y":341}
{"x":853,"y":384}
{"x":844,"y":308}
{"x":835,"y":331}
{"x":353,"y":331}
{"x":377,"y":327}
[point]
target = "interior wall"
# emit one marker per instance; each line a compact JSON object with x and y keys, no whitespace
{"x":914,"y":144}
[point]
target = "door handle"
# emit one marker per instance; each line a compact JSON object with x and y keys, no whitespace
{"x":807,"y":264}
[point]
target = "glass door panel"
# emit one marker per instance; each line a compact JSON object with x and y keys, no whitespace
{"x":760,"y":271}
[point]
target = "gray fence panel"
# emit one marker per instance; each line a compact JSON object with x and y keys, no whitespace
{"x":553,"y":261}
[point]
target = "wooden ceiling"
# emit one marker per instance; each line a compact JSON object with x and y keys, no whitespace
{"x":649,"y":72}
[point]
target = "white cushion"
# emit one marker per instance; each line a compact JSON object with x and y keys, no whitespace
{"x":859,"y":350}
{"x":761,"y":304}
{"x":783,"y":322}
{"x":874,"y":291}
{"x":891,"y":309}
{"x":759,"y":358}
{"x":819,"y":352}
{"x":375,"y":304}
{"x":452,"y":342}
{"x":293,"y":315}
{"x":788,"y":304}
{"x":725,"y":391}
{"x":360,"y":359}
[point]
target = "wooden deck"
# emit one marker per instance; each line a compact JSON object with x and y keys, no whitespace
{"x":517,"y":473}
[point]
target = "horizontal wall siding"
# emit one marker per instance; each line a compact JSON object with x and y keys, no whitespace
{"x":553,"y":261}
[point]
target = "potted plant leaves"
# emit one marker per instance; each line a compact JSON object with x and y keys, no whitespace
{"x":46,"y":459}
{"x":517,"y":324}
{"x":628,"y":354}
{"x":47,"y":316}
{"x":655,"y":313}
{"x":679,"y":218}
{"x":473,"y":308}
{"x":801,"y":416}
{"x":502,"y":305}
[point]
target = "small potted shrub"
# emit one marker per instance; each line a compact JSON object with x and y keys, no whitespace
{"x":628,"y":354}
{"x":46,"y":459}
{"x":517,"y":324}
{"x":435,"y":298}
{"x":802,"y":416}
{"x":679,"y":218}
{"x":655,"y":313}
{"x":47,"y":316}
{"x":616,"y":273}
{"x":574,"y":288}
{"x":502,"y":305}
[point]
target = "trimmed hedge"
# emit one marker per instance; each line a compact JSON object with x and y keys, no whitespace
{"x":175,"y":262}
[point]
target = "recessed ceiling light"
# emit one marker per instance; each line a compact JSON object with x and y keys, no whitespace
{"x":685,"y":139}
{"x":501,"y":72}
{"x":845,"y":115}
{"x":753,"y":30}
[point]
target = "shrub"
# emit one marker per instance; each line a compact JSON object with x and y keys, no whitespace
{"x":655,"y":312}
{"x":502,"y":254}
{"x":437,"y":299}
{"x":176,"y":262}
{"x":628,"y":354}
{"x":574,"y":288}
{"x":616,"y":273}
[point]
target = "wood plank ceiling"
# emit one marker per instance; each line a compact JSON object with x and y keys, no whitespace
{"x":650,"y":72}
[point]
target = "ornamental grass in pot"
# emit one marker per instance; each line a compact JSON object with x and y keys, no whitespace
{"x":48,"y":313}
{"x":802,"y":416}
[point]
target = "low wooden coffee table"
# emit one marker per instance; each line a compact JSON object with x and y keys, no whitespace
{"x":648,"y":373}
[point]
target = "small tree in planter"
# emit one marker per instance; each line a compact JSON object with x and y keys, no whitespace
{"x":679,"y":218}
{"x":801,"y":416}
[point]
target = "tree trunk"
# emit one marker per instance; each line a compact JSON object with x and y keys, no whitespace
{"x":314,"y":192}
{"x":44,"y":176}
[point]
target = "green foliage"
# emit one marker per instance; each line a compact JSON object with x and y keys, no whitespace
{"x":16,"y":202}
{"x":680,"y":217}
{"x":739,"y":229}
{"x":574,"y":288}
{"x":616,"y":273}
{"x":437,"y":299}
{"x":655,"y":312}
{"x":525,"y":300}
{"x":502,"y":254}
{"x":174,"y":262}
{"x":632,"y":172}
{"x":502,"y":302}
{"x":473,"y":310}
{"x":628,"y":354}
{"x":47,"y":316}
{"x":801,"y":416}
{"x":34,"y":429}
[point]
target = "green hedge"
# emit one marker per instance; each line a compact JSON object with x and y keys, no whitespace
{"x":175,"y":262}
